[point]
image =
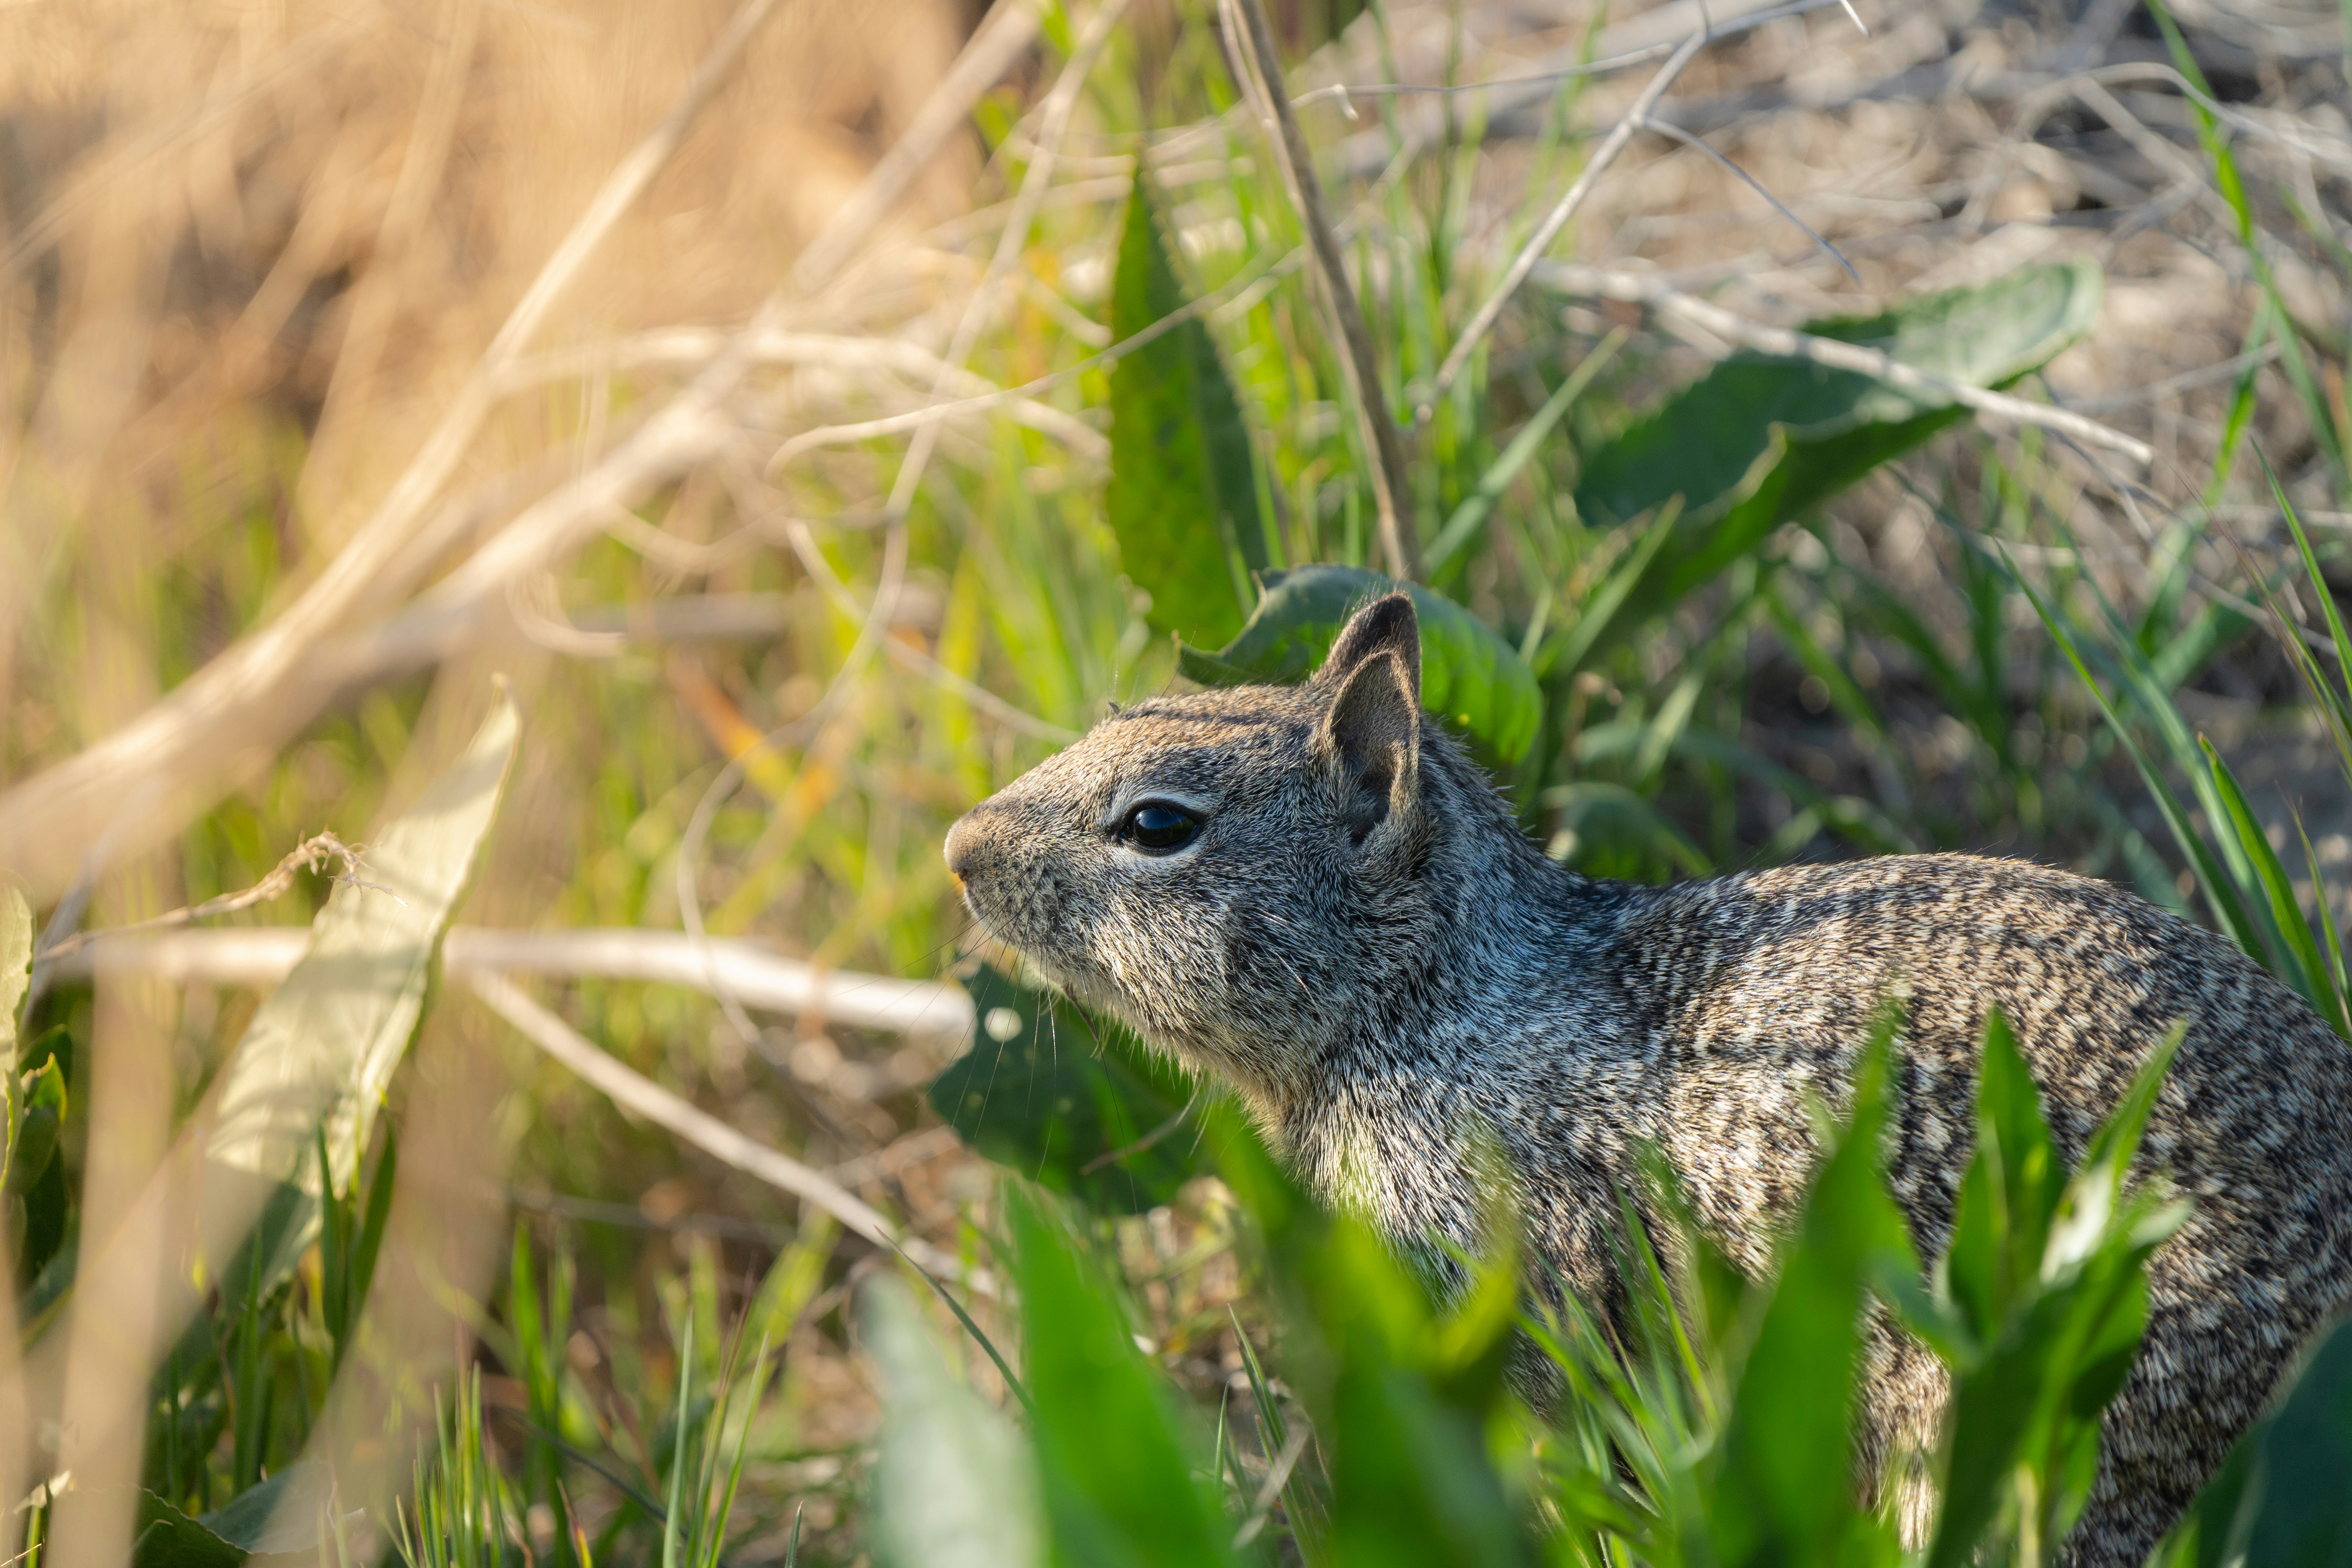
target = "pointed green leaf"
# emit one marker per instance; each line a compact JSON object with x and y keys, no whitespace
{"x":2094,"y":1199}
{"x":1784,"y":1483}
{"x":322,"y":1046}
{"x":2033,"y":1393}
{"x":1470,"y":677}
{"x":1183,"y":498}
{"x":1124,"y":1482}
{"x":953,"y":1484}
{"x":278,"y":1514}
{"x":42,"y":1094}
{"x":2010,"y":1192}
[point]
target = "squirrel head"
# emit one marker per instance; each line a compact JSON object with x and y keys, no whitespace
{"x":1227,"y":872}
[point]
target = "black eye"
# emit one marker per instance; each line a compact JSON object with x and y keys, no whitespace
{"x":1156,"y":828}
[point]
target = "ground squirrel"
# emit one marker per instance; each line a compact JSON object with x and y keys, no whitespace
{"x":1312,"y":893}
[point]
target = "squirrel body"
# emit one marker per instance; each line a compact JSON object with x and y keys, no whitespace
{"x":1315,"y":895}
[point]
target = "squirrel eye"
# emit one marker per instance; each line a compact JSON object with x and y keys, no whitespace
{"x":1156,"y":828}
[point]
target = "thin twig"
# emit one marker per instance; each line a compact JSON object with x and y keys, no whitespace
{"x":1690,"y":139}
{"x":387,"y":554}
{"x":1035,"y":181}
{"x":268,"y":683}
{"x":646,"y":1099}
{"x":803,"y":545}
{"x":1113,"y":1156}
{"x":261,"y":956}
{"x":1555,"y":220}
{"x":1675,"y":307}
{"x":657,"y":1105}
{"x":307,"y":856}
{"x":1343,"y":91}
{"x":1392,"y":485}
{"x":868,"y":358}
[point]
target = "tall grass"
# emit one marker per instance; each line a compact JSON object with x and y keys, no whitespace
{"x":1697,"y":615}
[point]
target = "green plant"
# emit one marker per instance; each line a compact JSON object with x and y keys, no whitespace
{"x":1711,"y":1421}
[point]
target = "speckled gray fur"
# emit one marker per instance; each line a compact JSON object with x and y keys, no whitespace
{"x":1364,"y":944}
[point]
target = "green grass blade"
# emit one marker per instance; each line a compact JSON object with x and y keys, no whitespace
{"x":1003,"y":1367}
{"x":1299,"y":1499}
{"x":2221,"y":894}
{"x":2311,"y":977}
{"x":1462,"y":528}
{"x":2332,"y":944}
{"x":362,"y":1273}
{"x":1567,"y":651}
{"x":2337,"y":635}
{"x":742,"y":1447}
{"x":2242,"y":402}
{"x":670,"y":1541}
{"x":2228,"y":180}
{"x":1782,"y":1483}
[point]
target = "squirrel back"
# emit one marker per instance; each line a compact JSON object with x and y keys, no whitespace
{"x":1313,"y":894}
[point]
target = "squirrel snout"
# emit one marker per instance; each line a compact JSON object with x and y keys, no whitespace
{"x":961,"y":837}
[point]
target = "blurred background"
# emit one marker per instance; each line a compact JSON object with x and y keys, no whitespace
{"x":354,"y":354}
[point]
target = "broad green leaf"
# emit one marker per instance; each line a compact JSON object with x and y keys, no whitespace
{"x":1783,"y":1488}
{"x":324,"y":1044}
{"x":1411,"y":1481}
{"x":279,"y":1514}
{"x":1125,"y":1482}
{"x":1403,"y":1394}
{"x":320,"y":1049}
{"x":1470,"y":677}
{"x":1072,"y":1105}
{"x":43,"y":1096}
{"x":1760,"y":440}
{"x":166,"y":1538}
{"x":1184,"y":498}
{"x":953,"y":1484}
{"x":2283,"y":1498}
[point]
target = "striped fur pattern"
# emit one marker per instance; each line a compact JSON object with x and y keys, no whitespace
{"x":1361,"y":941}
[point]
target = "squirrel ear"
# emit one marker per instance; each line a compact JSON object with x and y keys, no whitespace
{"x":1388,"y":625}
{"x":1373,"y":736}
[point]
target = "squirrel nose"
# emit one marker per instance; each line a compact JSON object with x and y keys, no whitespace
{"x":960,"y":840}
